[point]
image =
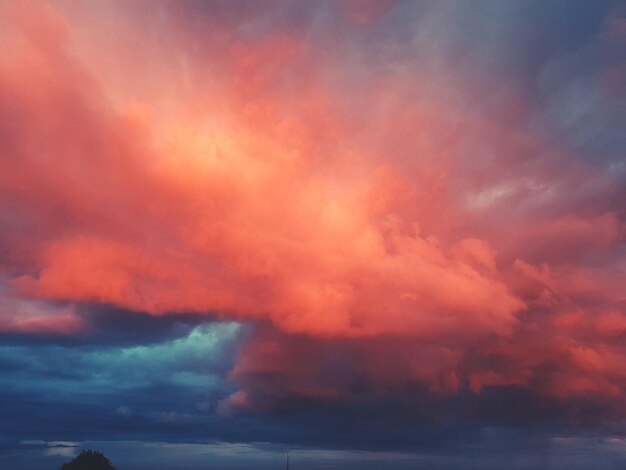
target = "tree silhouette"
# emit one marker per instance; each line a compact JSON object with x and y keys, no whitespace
{"x":89,"y":460}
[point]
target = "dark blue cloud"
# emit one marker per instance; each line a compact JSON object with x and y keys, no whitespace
{"x":71,"y":391}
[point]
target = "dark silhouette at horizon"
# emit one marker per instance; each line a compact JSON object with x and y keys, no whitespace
{"x":89,"y":460}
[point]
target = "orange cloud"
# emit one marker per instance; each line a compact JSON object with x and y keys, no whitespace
{"x":246,"y":181}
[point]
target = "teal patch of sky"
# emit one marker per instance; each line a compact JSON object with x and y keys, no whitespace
{"x":86,"y":373}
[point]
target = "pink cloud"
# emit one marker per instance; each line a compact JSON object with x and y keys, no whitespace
{"x":245,"y":182}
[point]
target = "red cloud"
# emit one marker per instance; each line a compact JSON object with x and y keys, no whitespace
{"x":250,"y":184}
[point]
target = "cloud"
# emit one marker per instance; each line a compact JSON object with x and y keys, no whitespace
{"x":123,"y":410}
{"x":32,"y":442}
{"x":19,"y":315}
{"x":61,"y":449}
{"x":195,"y":361}
{"x":53,"y":448}
{"x":391,"y":213}
{"x":60,"y":452}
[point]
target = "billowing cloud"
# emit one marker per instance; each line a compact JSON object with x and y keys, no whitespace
{"x":388,"y":206}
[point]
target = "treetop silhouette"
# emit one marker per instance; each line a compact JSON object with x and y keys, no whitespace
{"x":89,"y":460}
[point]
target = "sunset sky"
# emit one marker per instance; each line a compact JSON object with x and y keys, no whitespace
{"x":385,"y":233}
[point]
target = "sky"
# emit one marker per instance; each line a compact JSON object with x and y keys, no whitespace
{"x":377,"y":232}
